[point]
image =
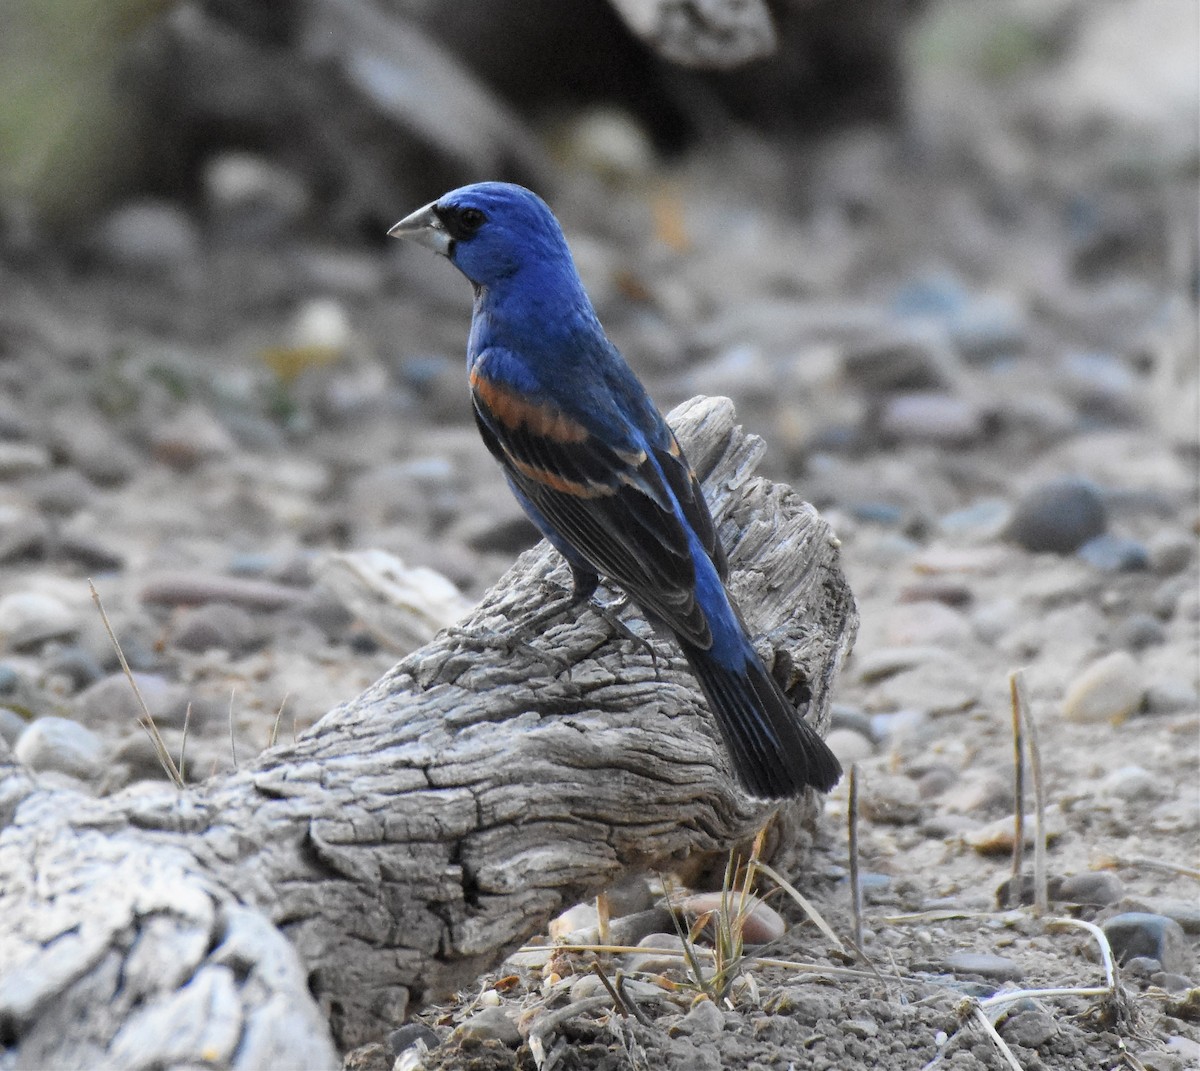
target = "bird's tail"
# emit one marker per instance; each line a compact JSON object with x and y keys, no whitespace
{"x":775,"y":752}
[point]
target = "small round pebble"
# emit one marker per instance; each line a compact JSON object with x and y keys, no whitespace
{"x":1115,"y":554}
{"x":849,"y":746}
{"x":1139,"y":933}
{"x":1060,"y":516}
{"x":61,"y":745}
{"x":111,"y":701}
{"x":1171,"y":552}
{"x":1139,"y":631}
{"x":77,"y":664}
{"x":983,"y":964}
{"x":704,"y":1020}
{"x":1110,"y":689}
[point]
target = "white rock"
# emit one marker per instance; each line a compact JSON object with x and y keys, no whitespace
{"x":31,"y":617}
{"x":63,"y":746}
{"x":1110,"y":689}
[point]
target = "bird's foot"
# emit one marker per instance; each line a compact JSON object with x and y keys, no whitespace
{"x":609,"y":612}
{"x":509,"y":642}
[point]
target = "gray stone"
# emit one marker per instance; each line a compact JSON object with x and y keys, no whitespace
{"x":1139,"y":933}
{"x":63,"y":746}
{"x":28,"y":618}
{"x":148,"y":235}
{"x":655,"y":962}
{"x":412,"y":1033}
{"x":63,"y":492}
{"x":1171,"y":552}
{"x":12,"y":725}
{"x":193,"y":589}
{"x":704,"y":1020}
{"x":111,"y":703}
{"x":1098,"y":887}
{"x":77,"y":665}
{"x":632,"y":929}
{"x":1115,"y":554}
{"x":491,"y":1024}
{"x":1031,"y":1028}
{"x":1184,"y":912}
{"x":1139,"y":631}
{"x":1169,"y":695}
{"x":217,"y":625}
{"x":985,"y":965}
{"x":931,"y":417}
{"x":1059,"y":516}
{"x":91,"y":445}
{"x":849,"y":746}
{"x":21,"y":459}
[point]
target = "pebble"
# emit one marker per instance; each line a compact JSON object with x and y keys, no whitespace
{"x":579,"y":917}
{"x":491,"y":1024}
{"x":891,"y":801}
{"x":21,"y":459}
{"x":1115,"y":554}
{"x":1097,"y":888}
{"x":411,"y":1034}
{"x":148,"y":235}
{"x":849,"y":746}
{"x":22,"y":535}
{"x":983,"y":964}
{"x":62,"y":492}
{"x":61,"y":745}
{"x":1185,"y":912}
{"x":934,"y":782}
{"x":996,"y":838}
{"x":931,"y":417}
{"x":805,"y":1004}
{"x":914,"y":361}
{"x":761,"y":924}
{"x":1139,"y":631}
{"x":190,"y":589}
{"x":77,"y":665}
{"x":250,"y":198}
{"x":704,"y":1020}
{"x":110,"y":702}
{"x":1108,"y":690}
{"x":1059,"y":516}
{"x":1030,"y":1028}
{"x":1170,"y":552}
{"x":1170,"y":695}
{"x":91,"y":445}
{"x":884,"y":662}
{"x":217,"y":625}
{"x":1139,"y":933}
{"x":654,"y":962}
{"x":12,"y":725}
{"x":632,"y":929}
{"x":1131,"y":783}
{"x":10,"y":680}
{"x":189,"y":437}
{"x":28,"y":618}
{"x":983,"y":520}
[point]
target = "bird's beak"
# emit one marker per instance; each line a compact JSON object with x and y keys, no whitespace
{"x":424,"y":227}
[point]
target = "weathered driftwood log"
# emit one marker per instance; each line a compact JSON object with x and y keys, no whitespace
{"x":412,"y":837}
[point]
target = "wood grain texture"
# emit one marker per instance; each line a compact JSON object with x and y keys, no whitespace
{"x":412,"y":837}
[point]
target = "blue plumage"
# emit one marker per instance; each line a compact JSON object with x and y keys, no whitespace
{"x":595,"y":466}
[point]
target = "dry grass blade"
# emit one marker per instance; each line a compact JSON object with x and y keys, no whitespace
{"x":187,"y":721}
{"x":1018,"y":852}
{"x":856,"y":894}
{"x":806,"y":905}
{"x":232,"y":739}
{"x":146,"y":721}
{"x":278,"y":719}
{"x":1041,"y":897}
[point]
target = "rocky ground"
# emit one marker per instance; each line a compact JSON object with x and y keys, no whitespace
{"x":972,"y":345}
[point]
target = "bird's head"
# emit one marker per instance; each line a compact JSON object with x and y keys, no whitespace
{"x":490,"y":231}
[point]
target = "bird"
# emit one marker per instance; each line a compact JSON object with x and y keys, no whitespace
{"x":594,"y":465}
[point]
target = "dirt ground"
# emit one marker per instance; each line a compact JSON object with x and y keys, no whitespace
{"x":930,"y":329}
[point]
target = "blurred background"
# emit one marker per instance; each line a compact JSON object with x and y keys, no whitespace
{"x":942,"y":253}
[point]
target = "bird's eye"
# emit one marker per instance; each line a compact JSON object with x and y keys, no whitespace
{"x":471,"y":219}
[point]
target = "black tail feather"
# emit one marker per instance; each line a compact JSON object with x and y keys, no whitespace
{"x":774,"y":751}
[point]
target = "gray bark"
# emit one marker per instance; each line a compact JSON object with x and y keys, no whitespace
{"x":410,"y":839}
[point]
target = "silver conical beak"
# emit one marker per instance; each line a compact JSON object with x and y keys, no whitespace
{"x":424,"y":227}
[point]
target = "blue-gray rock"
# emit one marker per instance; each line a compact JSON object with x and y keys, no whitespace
{"x":148,"y":235}
{"x":12,"y":725}
{"x":1171,"y":552}
{"x":1185,"y":912}
{"x":63,"y":746}
{"x":1138,"y":631}
{"x":931,"y":417}
{"x":111,"y":703}
{"x":409,"y":1034}
{"x":1169,"y":695}
{"x":29,"y":618}
{"x":9,"y":680}
{"x":985,"y":965}
{"x":1139,"y":933}
{"x":1115,"y":554}
{"x":1059,"y":516}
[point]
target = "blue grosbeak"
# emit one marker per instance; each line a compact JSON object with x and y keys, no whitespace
{"x":595,"y":466}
